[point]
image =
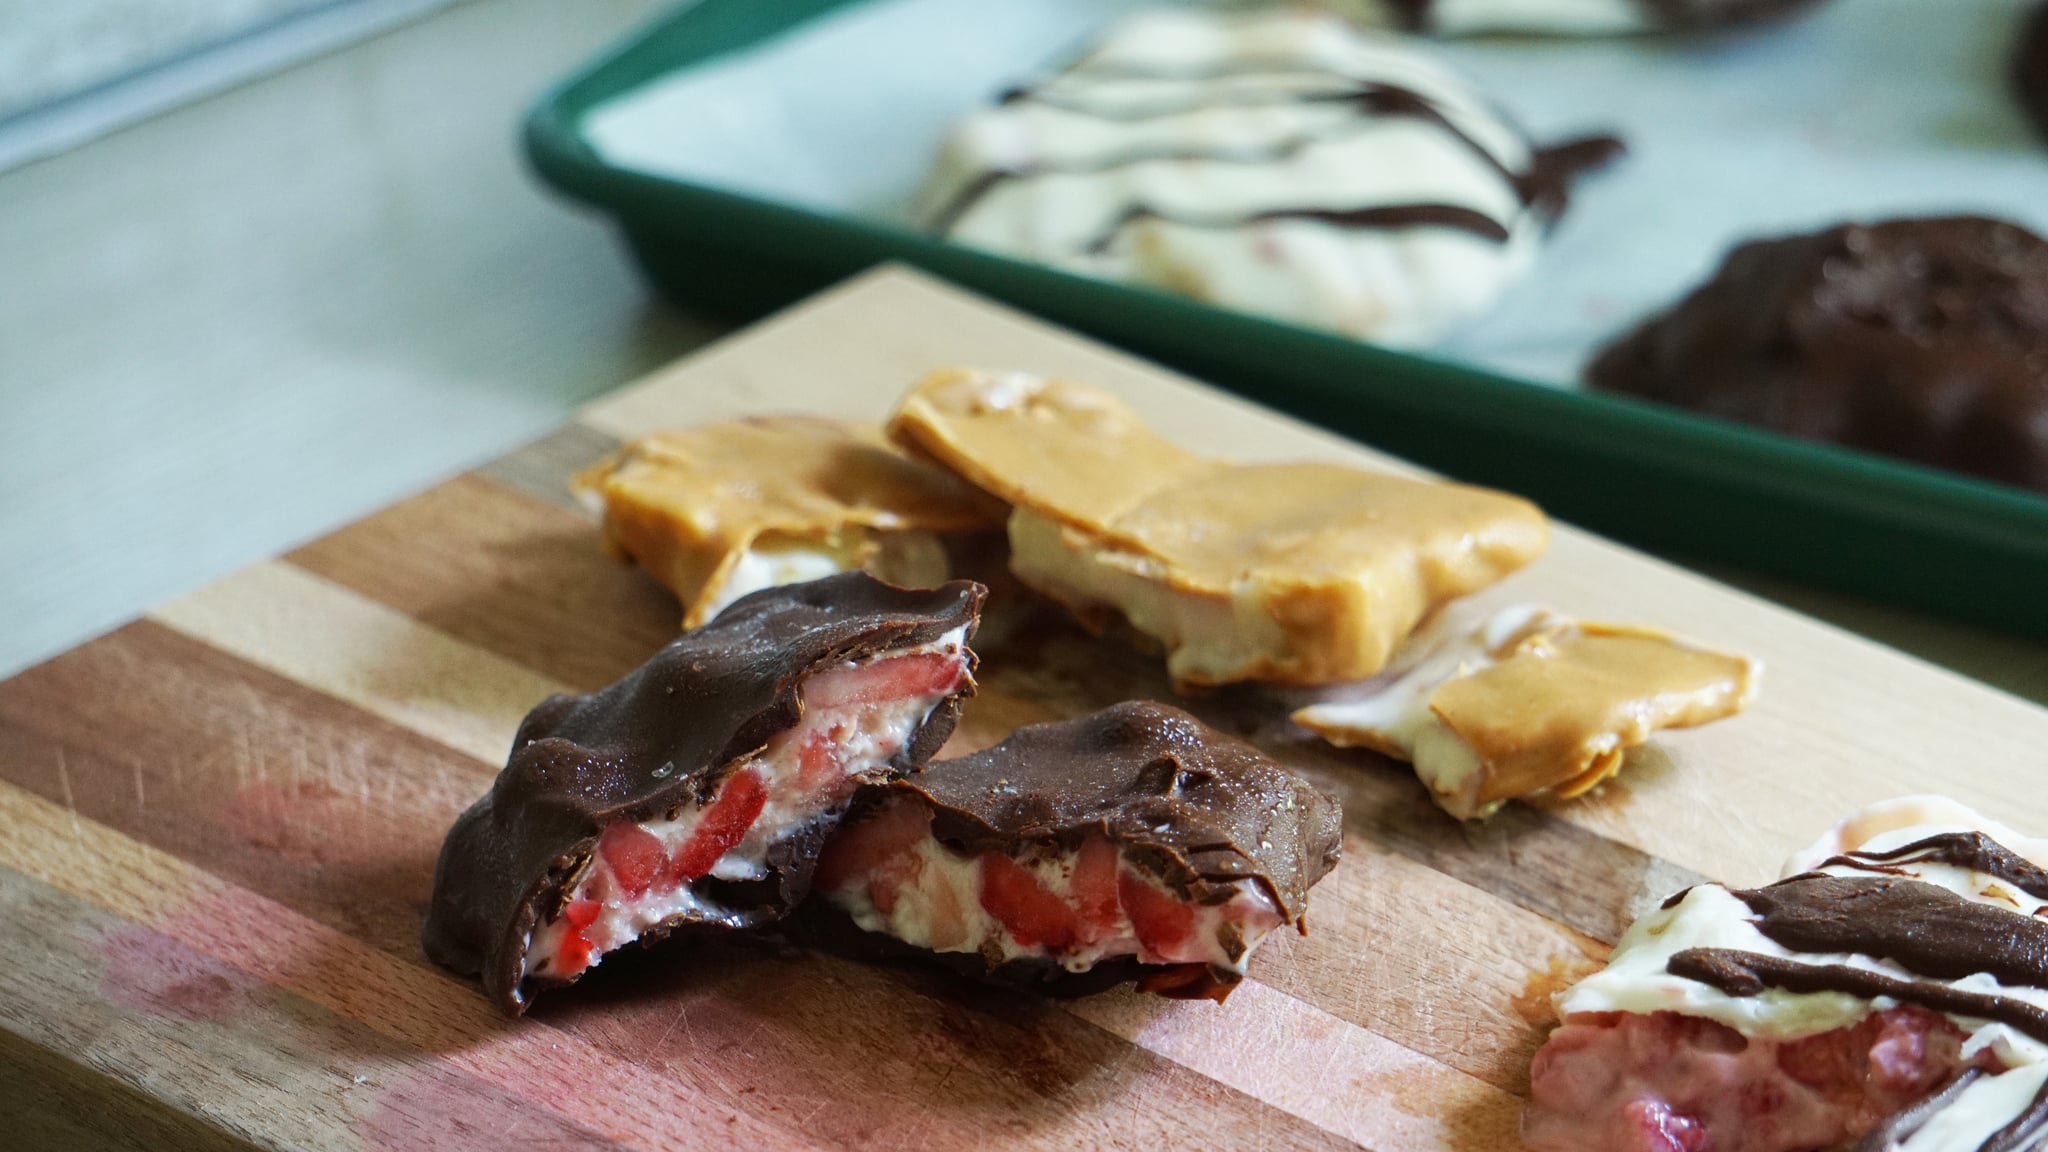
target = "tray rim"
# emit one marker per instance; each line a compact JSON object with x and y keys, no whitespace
{"x":1854,"y":521}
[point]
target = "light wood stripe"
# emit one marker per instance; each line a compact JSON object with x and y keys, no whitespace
{"x":542,"y":469}
{"x":496,"y":568}
{"x":291,"y":622}
{"x":1342,"y":1077}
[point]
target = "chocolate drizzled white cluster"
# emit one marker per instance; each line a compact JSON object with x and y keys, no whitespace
{"x":1918,"y":904}
{"x":1277,"y":162}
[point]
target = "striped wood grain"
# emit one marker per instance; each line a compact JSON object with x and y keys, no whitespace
{"x":218,"y":824}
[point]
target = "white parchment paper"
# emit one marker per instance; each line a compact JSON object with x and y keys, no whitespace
{"x":1869,"y":108}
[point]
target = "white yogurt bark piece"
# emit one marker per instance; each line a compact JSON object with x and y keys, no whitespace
{"x":1891,"y":995}
{"x":1527,"y":700}
{"x":1275,"y":162}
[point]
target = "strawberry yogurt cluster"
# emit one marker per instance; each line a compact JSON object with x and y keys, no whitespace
{"x":1075,"y":908}
{"x":856,"y":718}
{"x":1889,"y":995}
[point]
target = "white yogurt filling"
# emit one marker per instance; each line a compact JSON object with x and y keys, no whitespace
{"x":1208,"y":639}
{"x":938,"y":900}
{"x":1399,"y":720}
{"x":802,"y":776}
{"x":909,"y":558}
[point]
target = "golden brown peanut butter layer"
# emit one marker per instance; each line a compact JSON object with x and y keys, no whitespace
{"x":717,"y":511}
{"x":1066,"y":450}
{"x":1296,"y":573}
{"x":1533,"y":701}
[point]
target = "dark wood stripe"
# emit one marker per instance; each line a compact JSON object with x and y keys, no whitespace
{"x":338,"y":815}
{"x":503,"y":571}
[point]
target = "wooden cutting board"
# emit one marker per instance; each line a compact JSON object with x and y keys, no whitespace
{"x":218,"y":826}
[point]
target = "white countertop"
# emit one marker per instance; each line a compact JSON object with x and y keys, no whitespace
{"x":252,"y":319}
{"x":241,"y":324}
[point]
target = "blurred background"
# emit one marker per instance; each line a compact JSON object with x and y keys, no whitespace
{"x":266,"y":265}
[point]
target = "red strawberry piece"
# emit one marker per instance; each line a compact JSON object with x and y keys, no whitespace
{"x":1093,"y":890}
{"x":634,"y":855}
{"x":1031,"y":911}
{"x":862,"y":846}
{"x":1162,"y":923}
{"x":722,"y":826}
{"x":581,"y":914}
{"x":818,"y":764}
{"x":574,"y":953}
{"x":886,"y":680}
{"x":1651,"y":1125}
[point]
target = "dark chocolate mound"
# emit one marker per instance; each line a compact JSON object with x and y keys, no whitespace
{"x":1925,"y":339}
{"x":1198,"y":808}
{"x":2030,"y":69}
{"x":659,"y":740}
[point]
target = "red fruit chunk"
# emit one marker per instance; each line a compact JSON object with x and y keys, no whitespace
{"x":1032,"y":913}
{"x":886,"y":680}
{"x":574,"y":954}
{"x":581,"y":914}
{"x":634,"y":855}
{"x":722,"y":826}
{"x":1162,"y":923}
{"x":861,"y":847}
{"x":1653,"y":1126}
{"x":818,"y":763}
{"x":1093,"y":890}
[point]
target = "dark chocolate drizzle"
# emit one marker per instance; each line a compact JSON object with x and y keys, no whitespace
{"x":1740,"y":973}
{"x":1388,"y":216}
{"x":1972,"y":850}
{"x":1545,"y":185}
{"x":1666,"y":15}
{"x":1924,"y":928}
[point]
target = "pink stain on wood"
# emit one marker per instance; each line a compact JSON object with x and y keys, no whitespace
{"x":154,"y":974}
{"x":476,"y":1055}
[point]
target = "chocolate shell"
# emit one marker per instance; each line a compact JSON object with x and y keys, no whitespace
{"x":1925,"y":339}
{"x":1199,"y":809}
{"x":660,"y":740}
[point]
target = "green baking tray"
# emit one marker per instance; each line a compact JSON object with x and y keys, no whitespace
{"x":1685,"y":486}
